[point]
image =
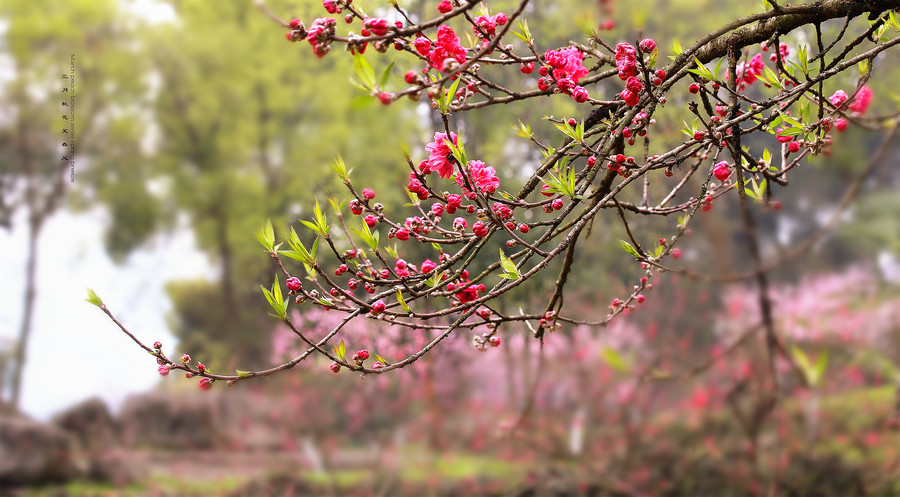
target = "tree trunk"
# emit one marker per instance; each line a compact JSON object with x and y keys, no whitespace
{"x":35,"y":227}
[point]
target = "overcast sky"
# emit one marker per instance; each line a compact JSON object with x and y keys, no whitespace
{"x":75,"y":351}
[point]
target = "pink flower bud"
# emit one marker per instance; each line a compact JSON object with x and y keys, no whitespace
{"x":378,"y":307}
{"x":722,"y":171}
{"x":293,"y":284}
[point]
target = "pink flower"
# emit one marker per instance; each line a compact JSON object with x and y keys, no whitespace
{"x":447,"y":46}
{"x":630,"y":98}
{"x":782,"y":138}
{"x":445,"y":6}
{"x":486,"y":24}
{"x":634,"y":85}
{"x":468,"y":294}
{"x":840,"y":124}
{"x":319,"y":35}
{"x":721,"y":171}
{"x":747,"y":72}
{"x":567,"y":63}
{"x":626,"y":61}
{"x":566,"y":84}
{"x":402,"y":270}
{"x":293,"y":284}
{"x":838,"y":99}
{"x":423,"y":45}
{"x":481,"y":176}
{"x":439,"y":159}
{"x":648,"y":45}
{"x":428,"y":265}
{"x":863,"y":98}
{"x":377,"y":25}
{"x":580,"y":94}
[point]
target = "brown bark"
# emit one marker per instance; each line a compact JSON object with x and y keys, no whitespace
{"x":784,"y":20}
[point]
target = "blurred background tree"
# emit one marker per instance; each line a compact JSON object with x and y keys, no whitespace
{"x":39,"y":39}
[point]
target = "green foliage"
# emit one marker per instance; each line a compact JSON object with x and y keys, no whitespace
{"x":276,"y":300}
{"x":93,"y":298}
{"x":812,"y":371}
{"x":510,"y":270}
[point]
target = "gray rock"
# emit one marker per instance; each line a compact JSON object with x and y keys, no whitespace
{"x":91,"y":423}
{"x":34,"y":453}
{"x":158,"y":420}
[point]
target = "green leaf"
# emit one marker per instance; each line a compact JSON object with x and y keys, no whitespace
{"x":367,"y":236}
{"x":523,"y":130}
{"x":93,"y":298}
{"x":703,"y":70}
{"x":511,"y":271}
{"x":402,"y":302}
{"x":615,"y":360}
{"x":320,"y":226}
{"x":386,"y":74}
{"x":892,"y":20}
{"x":356,"y":84}
{"x":568,"y":130}
{"x":361,"y":102}
{"x":770,"y":78}
{"x":812,"y":373}
{"x":449,"y":96}
{"x":803,"y":55}
{"x":435,"y":279}
{"x":274,"y":298}
{"x":364,"y":71}
{"x":299,"y":251}
{"x":243,"y":374}
{"x":266,"y":236}
{"x":627,"y":247}
{"x":524,"y":33}
{"x":340,"y":351}
{"x":458,"y":150}
{"x":392,"y":251}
